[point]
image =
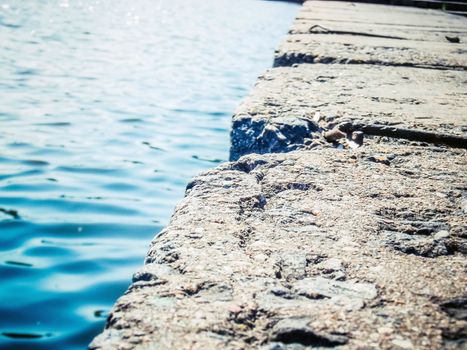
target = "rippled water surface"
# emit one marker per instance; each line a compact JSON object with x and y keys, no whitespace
{"x":107,"y":108}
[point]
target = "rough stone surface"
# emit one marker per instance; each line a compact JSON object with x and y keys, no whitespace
{"x":415,"y":23}
{"x":310,"y":248}
{"x":286,"y":100}
{"x":401,"y":36}
{"x":338,"y":243}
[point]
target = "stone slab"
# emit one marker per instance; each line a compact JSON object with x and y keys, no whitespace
{"x":377,"y":14}
{"x":278,"y":115}
{"x":404,"y":32}
{"x":407,"y":36}
{"x":307,"y":249}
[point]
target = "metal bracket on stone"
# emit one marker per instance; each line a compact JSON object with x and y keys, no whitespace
{"x":355,"y":129}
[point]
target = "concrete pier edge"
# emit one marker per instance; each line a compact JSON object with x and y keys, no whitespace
{"x":318,"y":235}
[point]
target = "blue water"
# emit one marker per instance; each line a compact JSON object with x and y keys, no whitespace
{"x":107,"y":108}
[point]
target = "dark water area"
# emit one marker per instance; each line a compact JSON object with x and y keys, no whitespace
{"x":107,"y":109}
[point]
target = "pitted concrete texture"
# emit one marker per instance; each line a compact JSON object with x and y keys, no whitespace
{"x":278,"y":116}
{"x":307,"y":249}
{"x":343,"y":32}
{"x":326,"y":246}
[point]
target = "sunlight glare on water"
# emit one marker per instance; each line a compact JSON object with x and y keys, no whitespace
{"x":107,"y":109}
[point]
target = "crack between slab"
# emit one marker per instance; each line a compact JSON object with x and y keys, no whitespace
{"x":290,"y":59}
{"x":404,"y":133}
{"x":318,"y":29}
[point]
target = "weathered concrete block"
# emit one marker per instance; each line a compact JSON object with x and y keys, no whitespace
{"x":250,"y":257}
{"x":278,"y":116}
{"x":342,"y":32}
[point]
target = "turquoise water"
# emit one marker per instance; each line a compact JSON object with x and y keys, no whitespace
{"x":107,"y":108}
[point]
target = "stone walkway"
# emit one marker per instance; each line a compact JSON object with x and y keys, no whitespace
{"x":323,"y":242}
